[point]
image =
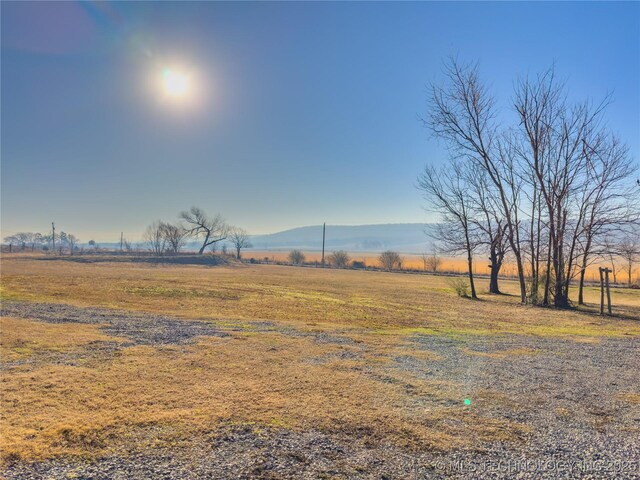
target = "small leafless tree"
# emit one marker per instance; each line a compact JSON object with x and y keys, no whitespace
{"x":629,"y":251}
{"x":128,"y":246}
{"x":448,"y":195}
{"x":240,"y":239}
{"x":155,"y":238}
{"x":199,"y":225}
{"x":69,"y":241}
{"x":431,"y":261}
{"x":296,"y":257}
{"x":339,"y":258}
{"x":174,"y":236}
{"x":390,"y":260}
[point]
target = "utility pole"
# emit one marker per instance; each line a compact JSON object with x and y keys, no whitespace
{"x":324,"y":225}
{"x":121,"y":238}
{"x":53,"y":237}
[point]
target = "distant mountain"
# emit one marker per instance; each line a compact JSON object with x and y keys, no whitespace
{"x":403,"y":237}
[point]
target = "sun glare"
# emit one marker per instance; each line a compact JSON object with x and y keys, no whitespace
{"x":175,"y":83}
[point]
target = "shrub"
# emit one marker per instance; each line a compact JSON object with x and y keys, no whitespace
{"x":339,"y":258}
{"x":431,"y":262}
{"x":390,"y":260}
{"x":296,"y":257}
{"x":358,"y":264}
{"x":460,"y":286}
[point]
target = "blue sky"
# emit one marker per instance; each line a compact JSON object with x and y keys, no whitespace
{"x":304,"y":112}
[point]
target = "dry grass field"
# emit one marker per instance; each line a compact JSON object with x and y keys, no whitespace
{"x":414,"y":261}
{"x":152,"y":370}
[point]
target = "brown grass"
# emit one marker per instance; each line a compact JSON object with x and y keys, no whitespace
{"x":265,"y":380}
{"x":392,"y":303}
{"x":20,"y":338}
{"x":148,"y":396}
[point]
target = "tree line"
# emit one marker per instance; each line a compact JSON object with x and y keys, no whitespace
{"x":59,"y":242}
{"x":552,"y":190}
{"x":160,"y":237}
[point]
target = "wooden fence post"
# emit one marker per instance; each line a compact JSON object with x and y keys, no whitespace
{"x":601,"y":292}
{"x":606,"y":279}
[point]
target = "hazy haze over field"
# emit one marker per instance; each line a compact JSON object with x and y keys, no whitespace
{"x":303,"y":113}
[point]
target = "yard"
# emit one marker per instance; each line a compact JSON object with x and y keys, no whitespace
{"x":131,"y":370}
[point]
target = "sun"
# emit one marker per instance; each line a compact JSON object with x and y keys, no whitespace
{"x":175,"y":83}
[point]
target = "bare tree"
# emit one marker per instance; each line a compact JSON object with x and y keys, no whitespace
{"x":577,"y":183}
{"x":11,"y":240}
{"x":174,"y":236}
{"x":211,"y":230}
{"x":448,"y":194}
{"x":390,"y":260}
{"x":629,"y":250}
{"x":240,"y":239}
{"x":431,"y":261}
{"x":128,"y":245}
{"x":555,"y":184}
{"x":339,"y":258}
{"x":463,"y":114}
{"x":489,"y":224}
{"x":607,"y":197}
{"x":296,"y":257}
{"x":69,"y":241}
{"x":155,"y":238}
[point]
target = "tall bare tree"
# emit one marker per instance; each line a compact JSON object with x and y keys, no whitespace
{"x":608,"y":198}
{"x":574,"y":186}
{"x":463,"y":114}
{"x":210,"y":229}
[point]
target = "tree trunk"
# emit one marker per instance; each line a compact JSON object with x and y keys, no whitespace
{"x":583,"y":271}
{"x":204,"y":244}
{"x":493,"y":284}
{"x":238,"y":253}
{"x":547,"y":281}
{"x":473,"y":287}
{"x":581,"y":287}
{"x":495,"y":270}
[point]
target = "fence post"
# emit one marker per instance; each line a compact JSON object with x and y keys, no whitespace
{"x":601,"y":292}
{"x":606,"y":277}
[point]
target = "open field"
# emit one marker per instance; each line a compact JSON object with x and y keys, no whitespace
{"x":137,"y":370}
{"x":414,"y":261}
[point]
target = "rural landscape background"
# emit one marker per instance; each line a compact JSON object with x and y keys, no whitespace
{"x":320,"y":240}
